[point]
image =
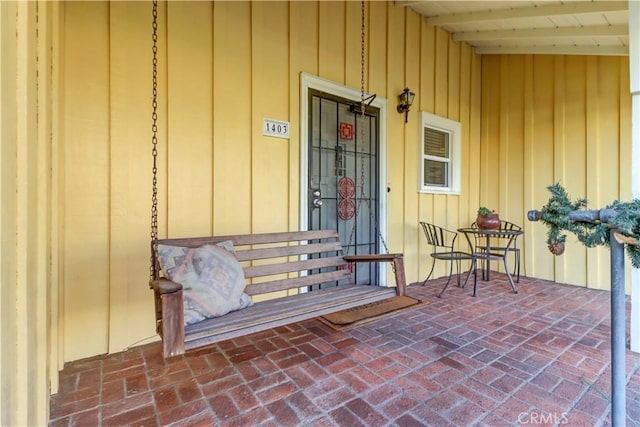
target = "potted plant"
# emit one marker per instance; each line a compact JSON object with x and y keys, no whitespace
{"x":487,"y":219}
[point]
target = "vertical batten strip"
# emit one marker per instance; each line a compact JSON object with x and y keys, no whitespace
{"x":475,"y":136}
{"x":269,"y":88}
{"x":85,"y":156}
{"x":17,"y":283}
{"x":56,"y":200}
{"x":45,"y":285}
{"x":466,"y":86}
{"x":497,"y":194}
{"x":21,"y":279}
{"x":533,"y":237}
{"x":559,"y":146}
{"x":543,"y":130}
{"x":441,"y":102}
{"x":130,"y":310}
{"x":232,"y":123}
{"x":412,"y":141}
{"x":573,"y":175}
{"x":426,"y":101}
{"x":24,"y":169}
{"x":592,"y":166}
{"x":395,"y":66}
{"x":189,"y":91}
{"x":453,"y":113}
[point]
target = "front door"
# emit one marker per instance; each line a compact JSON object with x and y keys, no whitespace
{"x":343,"y":176}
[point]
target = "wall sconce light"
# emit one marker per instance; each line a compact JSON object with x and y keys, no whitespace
{"x":406,"y":99}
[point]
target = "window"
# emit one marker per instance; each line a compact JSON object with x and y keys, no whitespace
{"x":439,"y":155}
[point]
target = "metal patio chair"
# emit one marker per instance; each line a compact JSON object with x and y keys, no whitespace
{"x":499,"y":248}
{"x":443,"y":243}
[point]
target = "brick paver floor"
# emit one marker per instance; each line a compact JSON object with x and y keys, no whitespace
{"x":539,"y":357}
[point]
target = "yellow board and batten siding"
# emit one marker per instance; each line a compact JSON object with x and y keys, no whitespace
{"x":223,"y":68}
{"x":395,"y":65}
{"x":80,"y":258}
{"x":29,"y":219}
{"x":86,"y":160}
{"x":189,"y":103}
{"x":569,"y":117}
{"x":219,"y":174}
{"x":412,"y":232}
{"x":129,"y":172}
{"x":269,"y":98}
{"x":270,"y":165}
{"x":231,"y":121}
{"x":303,"y":55}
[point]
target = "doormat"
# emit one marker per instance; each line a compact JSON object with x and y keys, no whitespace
{"x":368,"y":312}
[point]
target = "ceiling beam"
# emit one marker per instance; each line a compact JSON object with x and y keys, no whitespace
{"x":574,"y":32}
{"x":406,"y":3}
{"x":554,"y":50}
{"x":570,"y":8}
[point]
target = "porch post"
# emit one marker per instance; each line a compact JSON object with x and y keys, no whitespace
{"x":634,"y":77}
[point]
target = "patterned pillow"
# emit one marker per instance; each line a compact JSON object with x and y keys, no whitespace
{"x":212,"y":279}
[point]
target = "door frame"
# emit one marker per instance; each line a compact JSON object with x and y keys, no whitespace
{"x":308,"y":81}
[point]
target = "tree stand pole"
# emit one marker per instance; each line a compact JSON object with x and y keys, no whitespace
{"x":618,"y":313}
{"x":618,"y":341}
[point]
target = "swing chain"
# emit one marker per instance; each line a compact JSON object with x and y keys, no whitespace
{"x":362,"y":58}
{"x":154,"y":137}
{"x":362,"y":117}
{"x":362,"y":135}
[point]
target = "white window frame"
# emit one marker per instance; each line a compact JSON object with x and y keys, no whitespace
{"x":454,"y":129}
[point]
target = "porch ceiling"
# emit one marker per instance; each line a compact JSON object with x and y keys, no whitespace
{"x":598,"y":27}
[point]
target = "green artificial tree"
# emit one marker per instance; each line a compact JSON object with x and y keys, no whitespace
{"x":555,"y":215}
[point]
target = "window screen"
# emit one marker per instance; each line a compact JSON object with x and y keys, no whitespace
{"x":440,"y":155}
{"x":436,"y":151}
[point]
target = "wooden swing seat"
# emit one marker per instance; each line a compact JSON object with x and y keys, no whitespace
{"x":278,"y":268}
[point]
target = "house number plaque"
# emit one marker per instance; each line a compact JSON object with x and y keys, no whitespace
{"x":275,"y":128}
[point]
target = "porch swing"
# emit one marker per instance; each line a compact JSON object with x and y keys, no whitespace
{"x":210,"y":289}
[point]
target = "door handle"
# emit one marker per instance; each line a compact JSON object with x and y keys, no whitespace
{"x":317,"y":201}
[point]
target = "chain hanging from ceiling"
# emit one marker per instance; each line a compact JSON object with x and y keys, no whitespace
{"x":154,"y":134}
{"x":364,"y":103}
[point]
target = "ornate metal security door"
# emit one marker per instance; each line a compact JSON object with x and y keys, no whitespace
{"x":343,"y":175}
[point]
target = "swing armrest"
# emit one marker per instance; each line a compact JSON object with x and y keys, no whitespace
{"x":372,"y":257}
{"x":165,"y":286}
{"x":398,"y":266}
{"x":169,"y":315}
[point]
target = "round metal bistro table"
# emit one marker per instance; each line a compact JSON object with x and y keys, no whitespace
{"x":486,"y":253}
